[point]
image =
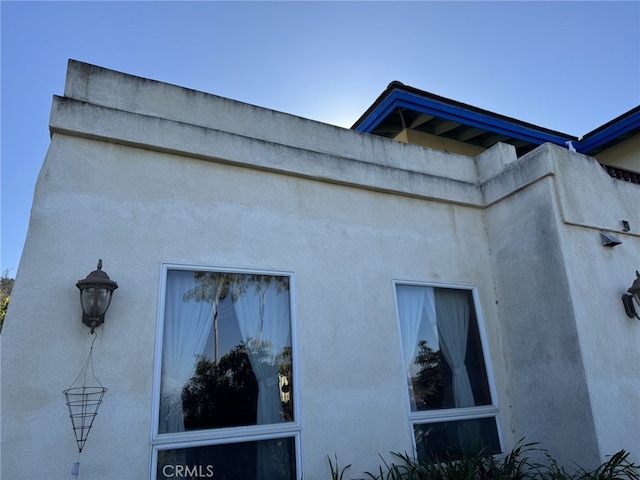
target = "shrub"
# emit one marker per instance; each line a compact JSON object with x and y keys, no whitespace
{"x":516,"y":465}
{"x":617,"y":467}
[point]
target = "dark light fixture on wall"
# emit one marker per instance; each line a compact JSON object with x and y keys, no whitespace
{"x":628,"y":298}
{"x":609,"y":239}
{"x":95,"y":296}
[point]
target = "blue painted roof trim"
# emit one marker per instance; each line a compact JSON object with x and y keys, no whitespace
{"x":400,"y":98}
{"x":609,"y":132}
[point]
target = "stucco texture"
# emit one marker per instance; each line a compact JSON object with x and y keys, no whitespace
{"x":143,"y":174}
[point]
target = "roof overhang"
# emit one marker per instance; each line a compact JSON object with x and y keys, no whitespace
{"x":615,"y":131}
{"x":400,"y":107}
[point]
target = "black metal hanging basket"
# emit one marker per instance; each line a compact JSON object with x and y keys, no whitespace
{"x":83,"y":403}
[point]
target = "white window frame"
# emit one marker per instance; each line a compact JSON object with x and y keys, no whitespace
{"x":227,"y":435}
{"x":452,"y":414}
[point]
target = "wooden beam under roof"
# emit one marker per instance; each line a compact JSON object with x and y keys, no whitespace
{"x":445,"y":126}
{"x":421,"y":120}
{"x":470,"y":133}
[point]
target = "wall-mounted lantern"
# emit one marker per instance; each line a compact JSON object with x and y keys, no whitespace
{"x":628,"y":299}
{"x":95,"y":296}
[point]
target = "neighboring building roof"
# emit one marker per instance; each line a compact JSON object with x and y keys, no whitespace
{"x":401,"y":106}
{"x":625,"y":126}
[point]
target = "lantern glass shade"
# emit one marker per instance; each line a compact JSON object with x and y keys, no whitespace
{"x":95,"y":296}
{"x":95,"y":301}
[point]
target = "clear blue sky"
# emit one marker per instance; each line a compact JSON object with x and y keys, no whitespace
{"x":568,"y":66}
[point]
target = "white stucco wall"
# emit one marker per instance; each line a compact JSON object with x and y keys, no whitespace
{"x":162,"y":208}
{"x":571,"y":378}
{"x":141,"y":173}
{"x":599,"y":277}
{"x":545,"y":375}
{"x":138,"y":191}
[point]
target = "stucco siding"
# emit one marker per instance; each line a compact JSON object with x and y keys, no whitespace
{"x":599,"y":277}
{"x":137,"y":208}
{"x":546,"y":377}
{"x":143,"y":174}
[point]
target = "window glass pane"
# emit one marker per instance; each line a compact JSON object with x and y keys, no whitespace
{"x":264,"y":460}
{"x":226,"y":354}
{"x":442,"y":348}
{"x":448,"y":440}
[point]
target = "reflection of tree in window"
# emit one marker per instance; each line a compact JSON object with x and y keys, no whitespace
{"x":224,"y":392}
{"x":213,"y":287}
{"x":444,"y":359}
{"x":227,"y":362}
{"x":458,"y":334}
{"x":427,"y":383}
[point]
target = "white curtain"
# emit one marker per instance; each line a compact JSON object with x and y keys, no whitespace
{"x":414,"y":304}
{"x":187,"y":325}
{"x":263,"y":318}
{"x":452,"y":308}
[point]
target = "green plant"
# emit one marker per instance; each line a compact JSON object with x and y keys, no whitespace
{"x":471,"y":466}
{"x":459,"y":468}
{"x":618,"y":467}
{"x":394,"y":472}
{"x":336,"y":473}
{"x":516,"y":465}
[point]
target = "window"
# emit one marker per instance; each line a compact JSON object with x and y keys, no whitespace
{"x":225,"y":396}
{"x":452,"y":406}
